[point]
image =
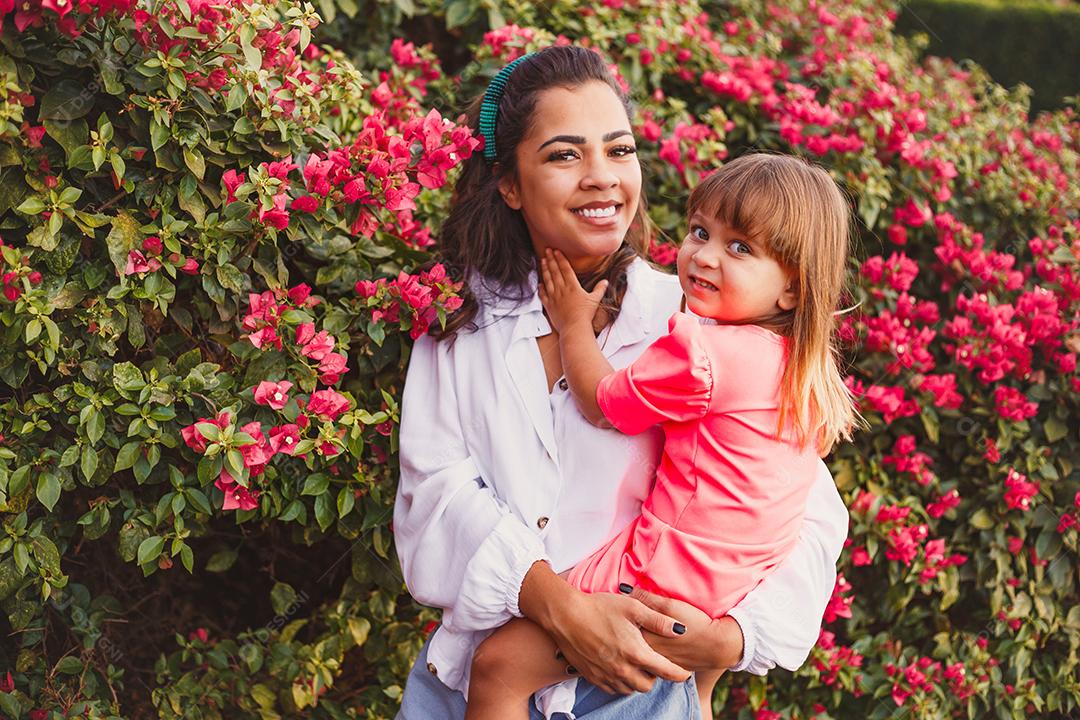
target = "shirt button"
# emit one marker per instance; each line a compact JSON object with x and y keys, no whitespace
{"x":563,"y":385}
{"x":432,"y":670}
{"x":542,"y":523}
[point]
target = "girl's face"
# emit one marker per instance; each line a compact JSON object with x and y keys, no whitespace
{"x":727,"y":277}
{"x":578,"y":180}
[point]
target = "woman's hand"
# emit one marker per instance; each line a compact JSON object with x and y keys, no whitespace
{"x":565,"y":301}
{"x":708,"y":644}
{"x":600,"y":634}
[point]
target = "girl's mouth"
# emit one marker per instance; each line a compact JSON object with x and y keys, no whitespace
{"x":702,"y":284}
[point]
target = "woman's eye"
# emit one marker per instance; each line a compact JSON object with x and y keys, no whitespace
{"x":739,"y":247}
{"x":623,"y":150}
{"x":562,"y":155}
{"x":699,"y":233}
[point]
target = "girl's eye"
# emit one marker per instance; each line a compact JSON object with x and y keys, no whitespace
{"x":739,"y":247}
{"x":699,"y":233}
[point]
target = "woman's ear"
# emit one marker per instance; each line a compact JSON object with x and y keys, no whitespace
{"x":511,"y":195}
{"x":789,"y":298}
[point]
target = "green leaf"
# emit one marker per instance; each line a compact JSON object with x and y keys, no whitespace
{"x":324,"y":511}
{"x":237,"y":97}
{"x":198,"y":500}
{"x":1055,"y":429}
{"x":123,"y":238}
{"x":159,"y":135}
{"x":48,"y":490}
{"x":221,"y":561}
{"x":150,"y":549}
{"x":67,"y":100}
{"x":127,"y":456}
{"x":69,"y":135}
{"x":315,"y":484}
{"x":194,"y":160}
{"x":282,"y":596}
{"x":33,"y":329}
{"x":345,"y":500}
{"x":127,"y":378}
{"x":69,"y":665}
{"x":187,"y":558}
{"x":89,"y":463}
{"x":95,"y":425}
{"x":31,"y":206}
{"x":981,"y":519}
{"x":458,"y":12}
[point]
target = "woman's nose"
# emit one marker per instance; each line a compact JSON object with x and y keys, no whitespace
{"x":599,"y":174}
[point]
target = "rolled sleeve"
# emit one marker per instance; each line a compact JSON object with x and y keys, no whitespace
{"x":459,"y":546}
{"x":781,"y":617}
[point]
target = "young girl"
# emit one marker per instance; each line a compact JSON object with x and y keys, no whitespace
{"x":746,"y":389}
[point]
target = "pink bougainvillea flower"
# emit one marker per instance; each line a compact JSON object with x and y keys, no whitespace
{"x":238,"y":497}
{"x":304,"y":333}
{"x":195,"y":439}
{"x":152,"y":245}
{"x":277,"y":216}
{"x":280,"y":169}
{"x":318,"y":346}
{"x":258,"y":454}
{"x":274,"y":394}
{"x":190,"y":266}
{"x":1019,"y":491}
{"x":136,"y":263}
{"x":284,"y":438}
{"x":331,"y":368}
{"x":327,"y":403}
{"x":266,"y":337}
{"x":232,"y":180}
{"x":298,"y":295}
{"x":305,"y":203}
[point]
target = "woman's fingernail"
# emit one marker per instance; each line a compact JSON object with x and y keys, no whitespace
{"x":625,"y":589}
{"x":571,"y":670}
{"x":679,"y":628}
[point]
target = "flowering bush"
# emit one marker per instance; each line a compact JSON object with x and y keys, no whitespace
{"x":216,"y":248}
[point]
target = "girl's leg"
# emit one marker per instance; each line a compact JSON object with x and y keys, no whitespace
{"x":706,"y":683}
{"x":509,"y":666}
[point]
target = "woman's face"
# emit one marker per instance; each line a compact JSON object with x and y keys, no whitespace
{"x":578,"y":180}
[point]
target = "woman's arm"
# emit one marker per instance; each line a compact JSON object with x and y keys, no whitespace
{"x":460,"y":547}
{"x":779,"y":621}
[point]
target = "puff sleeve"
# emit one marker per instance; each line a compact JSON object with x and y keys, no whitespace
{"x":670,"y":382}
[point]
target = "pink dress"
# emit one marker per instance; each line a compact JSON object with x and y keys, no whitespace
{"x":729,"y":496}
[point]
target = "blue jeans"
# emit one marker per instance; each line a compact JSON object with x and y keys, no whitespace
{"x":426,"y":698}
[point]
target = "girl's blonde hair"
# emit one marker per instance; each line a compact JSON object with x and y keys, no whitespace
{"x":796,"y":211}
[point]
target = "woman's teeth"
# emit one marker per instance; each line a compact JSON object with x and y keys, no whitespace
{"x":704,"y":285}
{"x":597,"y":212}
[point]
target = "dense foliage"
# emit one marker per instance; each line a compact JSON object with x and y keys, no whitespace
{"x":216,"y":248}
{"x":960,"y":29}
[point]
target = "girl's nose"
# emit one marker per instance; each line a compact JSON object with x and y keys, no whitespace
{"x":707,"y":256}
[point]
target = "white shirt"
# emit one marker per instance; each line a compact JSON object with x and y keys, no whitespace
{"x":496,"y":473}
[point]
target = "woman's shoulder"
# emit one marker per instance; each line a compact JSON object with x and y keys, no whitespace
{"x":657,"y":291}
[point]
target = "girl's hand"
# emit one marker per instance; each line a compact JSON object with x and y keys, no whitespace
{"x":600,"y":634}
{"x":707,"y":645}
{"x":565,"y":300}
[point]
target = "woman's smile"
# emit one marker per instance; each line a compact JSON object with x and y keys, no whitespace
{"x":601,"y":213}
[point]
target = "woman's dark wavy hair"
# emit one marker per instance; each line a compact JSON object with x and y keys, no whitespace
{"x":482,"y":236}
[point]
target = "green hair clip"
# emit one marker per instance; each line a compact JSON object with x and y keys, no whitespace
{"x":489,"y":107}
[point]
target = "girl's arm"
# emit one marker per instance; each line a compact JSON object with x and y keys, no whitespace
{"x":570,"y":311}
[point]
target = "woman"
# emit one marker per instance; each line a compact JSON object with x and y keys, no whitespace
{"x":504,"y":484}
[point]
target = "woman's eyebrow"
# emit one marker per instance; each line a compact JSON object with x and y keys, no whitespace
{"x":580,"y":140}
